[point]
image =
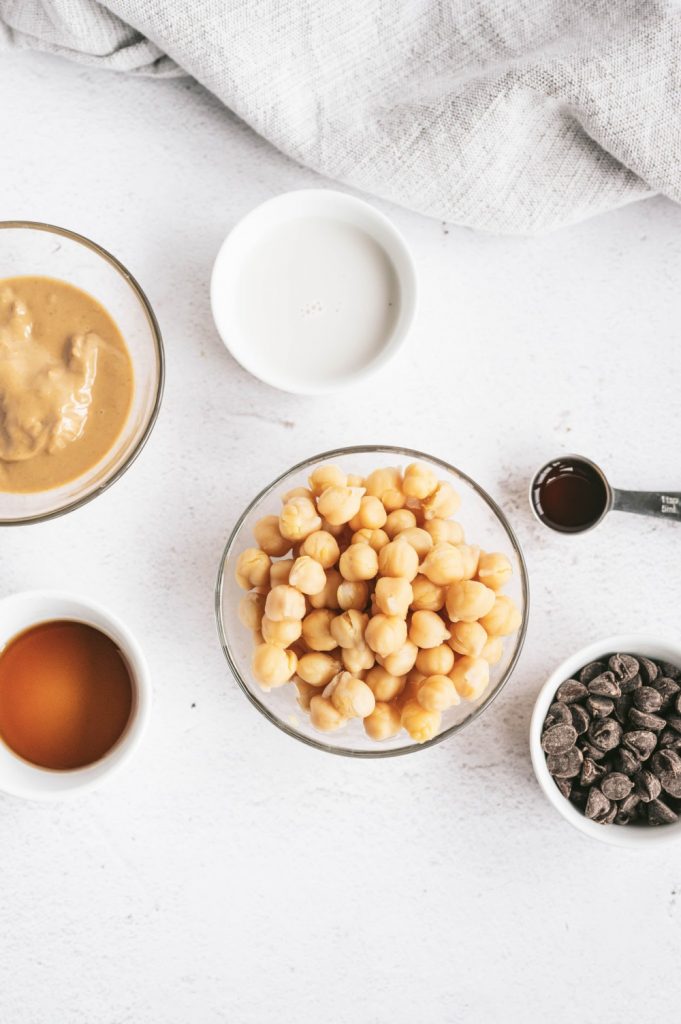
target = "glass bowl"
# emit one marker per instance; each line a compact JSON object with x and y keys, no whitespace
{"x":484,"y":523}
{"x":28,"y":248}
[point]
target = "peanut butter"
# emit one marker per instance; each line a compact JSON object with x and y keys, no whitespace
{"x":66,"y":383}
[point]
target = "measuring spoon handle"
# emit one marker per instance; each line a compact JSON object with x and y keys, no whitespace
{"x":663,"y":505}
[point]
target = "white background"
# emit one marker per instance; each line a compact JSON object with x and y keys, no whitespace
{"x":232,"y":874}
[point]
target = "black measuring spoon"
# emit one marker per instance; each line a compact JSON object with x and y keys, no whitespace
{"x":571,"y":494}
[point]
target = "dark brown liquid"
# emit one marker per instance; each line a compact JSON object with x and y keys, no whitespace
{"x":65,"y":695}
{"x":570,"y":495}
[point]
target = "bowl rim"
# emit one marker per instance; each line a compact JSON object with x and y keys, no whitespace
{"x":343,"y":453}
{"x":157,"y":338}
{"x":407,"y":280}
{"x":648,"y":644}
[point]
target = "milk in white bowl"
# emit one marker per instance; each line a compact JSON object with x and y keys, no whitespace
{"x":313,"y":290}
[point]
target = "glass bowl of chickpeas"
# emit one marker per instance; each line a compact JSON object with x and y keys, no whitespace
{"x":372,"y":601}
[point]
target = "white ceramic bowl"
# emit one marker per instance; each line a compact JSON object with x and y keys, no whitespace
{"x":630,"y":836}
{"x":263,"y":221}
{"x":19,"y":612}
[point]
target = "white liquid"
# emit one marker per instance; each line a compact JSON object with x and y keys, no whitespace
{"x":317,"y":300}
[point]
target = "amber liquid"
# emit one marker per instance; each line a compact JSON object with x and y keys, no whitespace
{"x":65,"y":695}
{"x":571,"y":496}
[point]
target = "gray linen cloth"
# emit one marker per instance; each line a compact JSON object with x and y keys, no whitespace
{"x":508,"y":116}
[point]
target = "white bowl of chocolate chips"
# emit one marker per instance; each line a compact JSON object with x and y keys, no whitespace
{"x":605,"y":740}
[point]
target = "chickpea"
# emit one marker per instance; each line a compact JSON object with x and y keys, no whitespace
{"x":494,"y":569}
{"x":251,"y":610}
{"x":267,"y":536}
{"x":284,"y":602}
{"x":393,"y":500}
{"x":503,"y":618}
{"x":385,"y":634}
{"x":383,"y":480}
{"x":326,"y":476}
{"x":371,"y":514}
{"x":428,"y":596}
{"x":419,"y":481}
{"x":470,"y":556}
{"x":376,"y":539}
{"x":444,"y":531}
{"x":398,"y":521}
{"x":358,"y":562}
{"x":357,"y":659}
{"x":252,"y":568}
{"x":420,"y":540}
{"x":383,"y":722}
{"x":437,"y":693}
{"x":422,"y":725}
{"x":337,"y":531}
{"x":307,"y":576}
{"x":273,"y":666}
{"x":324,"y":716}
{"x":468,"y":601}
{"x":305,"y":693}
{"x":383,"y":685}
{"x":398,"y":559}
{"x":298,"y":519}
{"x":318,"y":669}
{"x":427,"y":629}
{"x":402,"y":661}
{"x":317,"y":630}
{"x":282,"y":633}
{"x":393,"y":595}
{"x":443,"y":565}
{"x":297,"y":492}
{"x":321,"y":546}
{"x":470,"y":677}
{"x":351,"y":696}
{"x":442,"y":503}
{"x":352,"y":594}
{"x":355,"y":481}
{"x":279,"y":571}
{"x":327,"y":598}
{"x":467,"y":638}
{"x":348,"y":628}
{"x":339,"y":504}
{"x":435,"y":661}
{"x":493,"y":650}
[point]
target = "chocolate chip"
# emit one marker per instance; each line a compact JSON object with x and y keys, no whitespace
{"x":624,"y":761}
{"x":648,"y":670}
{"x":604,"y":685}
{"x":631,"y":685}
{"x":667,"y":766}
{"x":647,"y":699}
{"x":668,"y":670}
{"x":605,"y":733}
{"x":589,"y":750}
{"x":625,"y":666}
{"x":597,"y":805}
{"x":616,"y":786}
{"x":660,"y":814}
{"x":580,"y":718}
{"x":630,"y":803}
{"x":565,"y":786}
{"x":641,"y":742}
{"x":647,"y":786}
{"x":669,"y":738}
{"x":565,"y":765}
{"x":558,"y":739}
{"x":578,"y":797}
{"x":600,"y":707}
{"x":622,"y":707}
{"x":668,"y":690}
{"x":558,"y":714}
{"x":591,"y":772}
{"x":674,"y":722}
{"x":640,"y":720}
{"x":590,"y":671}
{"x":570,"y":691}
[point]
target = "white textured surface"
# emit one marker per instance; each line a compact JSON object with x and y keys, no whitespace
{"x":232,"y":874}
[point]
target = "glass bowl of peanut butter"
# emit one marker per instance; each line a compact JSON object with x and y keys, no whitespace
{"x":81,"y":370}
